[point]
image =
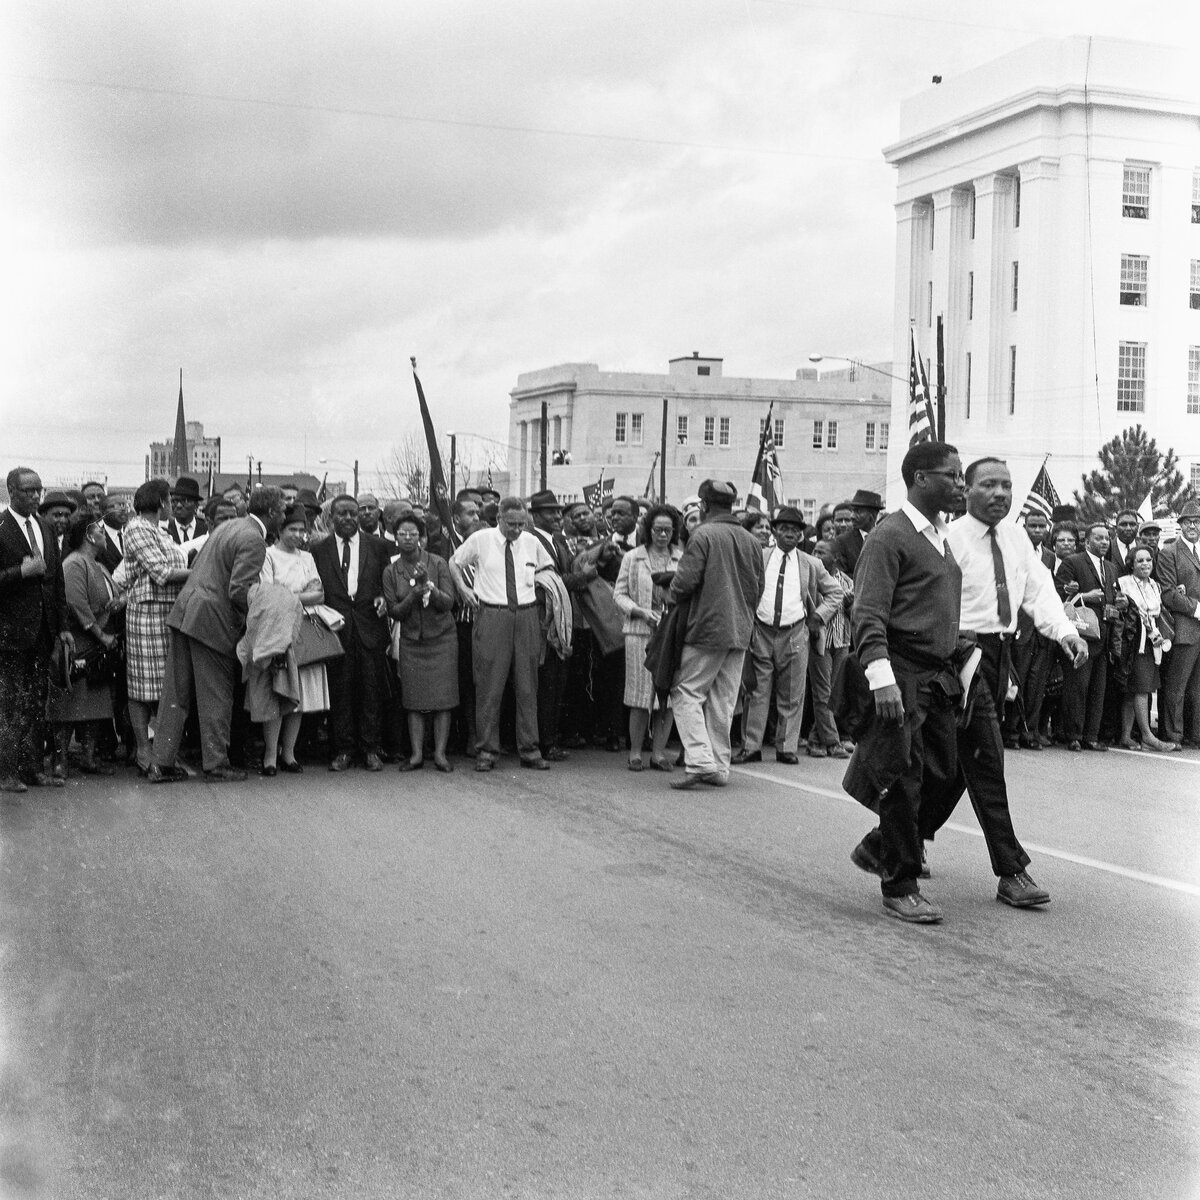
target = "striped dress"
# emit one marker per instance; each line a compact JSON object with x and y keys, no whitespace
{"x":150,"y":556}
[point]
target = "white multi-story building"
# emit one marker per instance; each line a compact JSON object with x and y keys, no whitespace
{"x":1048,"y":206}
{"x":205,"y":453}
{"x":831,"y":431}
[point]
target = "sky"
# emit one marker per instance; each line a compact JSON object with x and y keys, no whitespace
{"x":289,"y":201}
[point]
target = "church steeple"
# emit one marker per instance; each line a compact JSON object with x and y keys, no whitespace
{"x":181,"y":459}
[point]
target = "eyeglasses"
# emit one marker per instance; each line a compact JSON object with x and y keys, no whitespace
{"x":957,"y":476}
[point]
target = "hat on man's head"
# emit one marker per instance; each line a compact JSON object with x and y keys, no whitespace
{"x":1063,"y":512}
{"x":308,"y":498}
{"x":691,"y":502}
{"x":786,"y":515}
{"x":720,"y":492}
{"x":541,"y":501}
{"x":1190,"y":511}
{"x":186,"y":488}
{"x":865,"y":499}
{"x":56,"y":500}
{"x":1149,"y":527}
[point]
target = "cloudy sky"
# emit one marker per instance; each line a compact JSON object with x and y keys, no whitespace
{"x":289,"y":200}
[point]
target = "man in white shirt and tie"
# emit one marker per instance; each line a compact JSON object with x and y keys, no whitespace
{"x":799,"y":598}
{"x":1002,"y":573}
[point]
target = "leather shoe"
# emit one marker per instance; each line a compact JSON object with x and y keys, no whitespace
{"x":837,"y":751}
{"x":10,"y":783}
{"x":913,"y":908}
{"x":442,"y":765}
{"x":41,"y":779}
{"x":787,"y":758}
{"x":746,"y":756}
{"x":268,"y":772}
{"x":662,"y":763}
{"x":485,"y":762}
{"x":341,"y":762}
{"x":1029,"y":741}
{"x":1020,"y":891}
{"x":372,"y":762}
{"x":688,"y":782}
{"x":864,"y":860}
{"x":1075,"y":747}
{"x":409,"y":765}
{"x":290,"y":768}
{"x":1012,"y":743}
{"x":535,"y":764}
{"x":224,"y":775}
{"x":555,"y":754}
{"x":816,"y":752}
{"x":1098,"y":747}
{"x":157,"y":774}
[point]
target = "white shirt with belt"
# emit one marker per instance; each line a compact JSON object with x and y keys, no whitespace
{"x":1030,"y":584}
{"x":483,"y":551}
{"x":794,"y":610}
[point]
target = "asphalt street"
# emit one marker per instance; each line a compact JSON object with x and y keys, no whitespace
{"x":580,"y":983}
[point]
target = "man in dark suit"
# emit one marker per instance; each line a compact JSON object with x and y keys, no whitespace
{"x":33,"y":613}
{"x":1121,"y":547}
{"x":1091,"y":575}
{"x":204,"y":628}
{"x":117,"y":511}
{"x":184,"y":524}
{"x":1179,"y":577}
{"x":56,"y":508}
{"x":848,"y":546}
{"x":351,"y":565}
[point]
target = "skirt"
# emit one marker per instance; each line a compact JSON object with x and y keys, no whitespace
{"x":429,"y":673}
{"x":1143,"y":674}
{"x":639,"y":683}
{"x":146,"y":641}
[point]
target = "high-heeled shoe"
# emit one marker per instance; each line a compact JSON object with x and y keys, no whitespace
{"x":1153,"y":743}
{"x":291,"y":768}
{"x":1129,"y":744}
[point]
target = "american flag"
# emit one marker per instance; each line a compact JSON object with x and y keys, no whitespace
{"x":1042,"y":497}
{"x":921,"y":425}
{"x":594,"y":494}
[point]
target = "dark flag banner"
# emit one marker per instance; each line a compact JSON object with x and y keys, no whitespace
{"x":211,"y":479}
{"x":767,"y":481}
{"x":321,"y":495}
{"x":594,"y":494}
{"x":1042,"y":496}
{"x":439,"y":496}
{"x":921,"y":425}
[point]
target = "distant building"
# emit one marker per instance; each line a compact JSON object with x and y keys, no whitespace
{"x":203,"y":453}
{"x":831,"y":431}
{"x":1048,"y":205}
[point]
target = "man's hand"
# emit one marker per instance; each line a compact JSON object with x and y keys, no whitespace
{"x":1095,"y":596}
{"x":469,"y":598}
{"x":589,"y":572}
{"x":888,"y":704}
{"x":32,"y":566}
{"x":380,"y":606}
{"x":1071,"y":587}
{"x":68,"y":640}
{"x":814,"y":622}
{"x":1076,"y":648}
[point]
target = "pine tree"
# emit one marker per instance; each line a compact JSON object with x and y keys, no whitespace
{"x":1131,"y":465}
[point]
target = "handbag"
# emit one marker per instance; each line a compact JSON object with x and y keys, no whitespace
{"x":1085,"y":621}
{"x":315,"y":643}
{"x":98,"y":666}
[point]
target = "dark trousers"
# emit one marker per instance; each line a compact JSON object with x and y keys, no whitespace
{"x":24,"y":681}
{"x":579,"y":703}
{"x":1083,"y":695}
{"x":552,"y":687}
{"x":610,"y":695}
{"x":192,"y":664}
{"x":506,"y":643}
{"x":357,"y":695}
{"x":981,"y":769}
{"x":464,"y":717}
{"x":1032,"y":659}
{"x":1181,"y":694}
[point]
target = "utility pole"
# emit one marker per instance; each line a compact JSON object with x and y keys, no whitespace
{"x":941,"y":381}
{"x":542,"y":443}
{"x":356,"y":479}
{"x":453,"y":457}
{"x":662,"y":458}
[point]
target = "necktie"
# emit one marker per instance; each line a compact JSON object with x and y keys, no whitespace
{"x":33,"y":542}
{"x":1003,"y":606}
{"x":779,"y":592}
{"x":346,"y":563}
{"x":510,"y":577}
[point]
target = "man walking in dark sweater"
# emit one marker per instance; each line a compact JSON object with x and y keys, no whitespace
{"x":905,"y":625}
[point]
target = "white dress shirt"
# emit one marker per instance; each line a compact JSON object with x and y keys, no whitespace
{"x":793,"y":598}
{"x":36,"y":546}
{"x":484,"y":552}
{"x":1030,"y":584}
{"x":352,"y":574}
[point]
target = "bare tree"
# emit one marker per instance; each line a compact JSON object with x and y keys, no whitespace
{"x":405,"y":470}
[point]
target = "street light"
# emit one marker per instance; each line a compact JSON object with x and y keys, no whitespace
{"x":856,"y":362}
{"x":337,"y":462}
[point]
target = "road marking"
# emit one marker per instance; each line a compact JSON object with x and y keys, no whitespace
{"x":1172,"y":885}
{"x":1158,"y":756}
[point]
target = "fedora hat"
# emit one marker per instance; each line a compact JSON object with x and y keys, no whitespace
{"x":865,"y":499}
{"x":186,"y":488}
{"x":788,"y":515}
{"x":543,"y":500}
{"x":1062,"y":512}
{"x":56,"y":500}
{"x":308,"y":498}
{"x":1191,"y":510}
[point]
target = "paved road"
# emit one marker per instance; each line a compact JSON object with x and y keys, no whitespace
{"x":582,"y":984}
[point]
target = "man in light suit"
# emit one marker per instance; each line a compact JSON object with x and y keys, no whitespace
{"x":1179,"y":578}
{"x":204,"y":628}
{"x":1093,"y":576}
{"x":33,"y":613}
{"x":799,"y":598}
{"x":351,"y":564}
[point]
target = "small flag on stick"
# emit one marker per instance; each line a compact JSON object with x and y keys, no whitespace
{"x":921,"y":424}
{"x":594,"y":494}
{"x":1042,"y":497}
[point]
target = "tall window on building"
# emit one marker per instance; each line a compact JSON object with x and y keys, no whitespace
{"x":809,"y":510}
{"x":1012,"y":380}
{"x":1131,"y":377}
{"x":778,"y":433}
{"x":1016,"y":267}
{"x":1134,"y":271}
{"x":635,"y":429}
{"x":869,"y":443}
{"x":1196,"y":196}
{"x":970,"y":295}
{"x":1135,"y":192}
{"x":1193,"y":395}
{"x":1016,"y":202}
{"x":1195,"y":289}
{"x":723,"y":432}
{"x":1195,"y":480}
{"x":831,"y":435}
{"x":710,"y":431}
{"x":968,"y":385}
{"x":681,"y":431}
{"x":884,"y":427}
{"x":818,"y":442}
{"x":622,"y":427}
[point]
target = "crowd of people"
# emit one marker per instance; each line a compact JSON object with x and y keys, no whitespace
{"x":265,"y":630}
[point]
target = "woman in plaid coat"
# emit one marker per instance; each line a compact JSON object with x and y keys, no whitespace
{"x":155,"y":570}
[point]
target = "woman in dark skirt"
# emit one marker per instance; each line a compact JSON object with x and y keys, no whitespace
{"x":1142,"y":648}
{"x":420,"y":594}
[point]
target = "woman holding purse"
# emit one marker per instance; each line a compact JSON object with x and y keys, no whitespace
{"x":1144,"y":646}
